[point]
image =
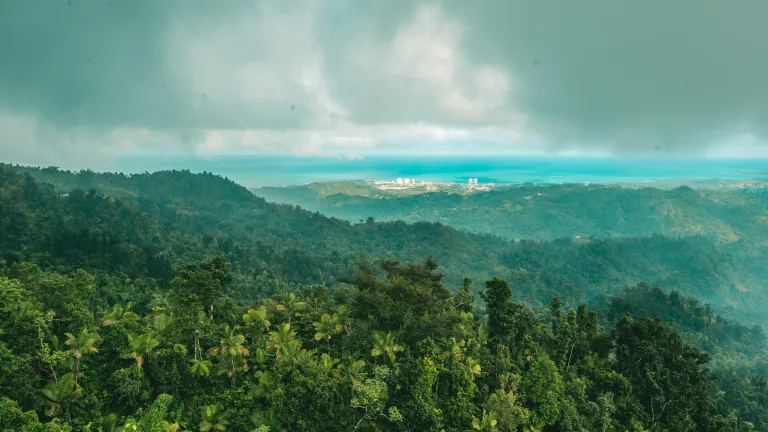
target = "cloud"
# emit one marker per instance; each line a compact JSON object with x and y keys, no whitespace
{"x":84,"y":81}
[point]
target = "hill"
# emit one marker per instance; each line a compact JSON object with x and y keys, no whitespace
{"x":735,"y":220}
{"x":173,"y":301}
{"x":194,"y":216}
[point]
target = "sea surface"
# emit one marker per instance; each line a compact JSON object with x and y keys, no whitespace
{"x":254,"y":171}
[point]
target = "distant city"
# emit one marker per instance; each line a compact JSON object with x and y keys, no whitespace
{"x":400,"y":180}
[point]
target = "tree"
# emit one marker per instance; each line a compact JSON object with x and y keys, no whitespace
{"x":213,"y":419}
{"x":508,"y":412}
{"x":231,"y":352}
{"x":205,"y":281}
{"x":543,"y":387}
{"x":498,"y":296}
{"x":82,"y":344}
{"x":328,"y":362}
{"x":257,"y":322}
{"x":371,"y":397}
{"x":119,"y":312}
{"x":384,"y":343}
{"x":665,"y":372}
{"x":140,"y":347}
{"x":291,"y":306}
{"x":463,"y":300}
{"x":281,"y":338}
{"x":326,"y":328}
{"x":60,"y":395}
{"x":487,"y":423}
{"x":153,"y":420}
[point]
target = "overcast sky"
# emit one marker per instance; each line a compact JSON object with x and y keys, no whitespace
{"x":85,"y":81}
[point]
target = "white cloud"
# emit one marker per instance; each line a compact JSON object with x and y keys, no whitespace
{"x":427,"y":50}
{"x":269,"y":64}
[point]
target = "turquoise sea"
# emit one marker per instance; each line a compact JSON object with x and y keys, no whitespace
{"x":255,"y":171}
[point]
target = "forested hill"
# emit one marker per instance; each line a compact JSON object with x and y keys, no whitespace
{"x":178,"y":217}
{"x":737,"y":220}
{"x":176,"y":302}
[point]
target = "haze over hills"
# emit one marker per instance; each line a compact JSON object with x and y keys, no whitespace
{"x":147,"y":239}
{"x":302,"y":247}
{"x":545,"y":212}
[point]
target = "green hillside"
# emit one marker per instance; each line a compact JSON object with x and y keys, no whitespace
{"x":177,"y":301}
{"x":195,"y":216}
{"x":736,"y":220}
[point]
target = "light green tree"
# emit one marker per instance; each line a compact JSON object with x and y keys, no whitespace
{"x":280,"y":338}
{"x":140,"y":347}
{"x":384,"y":343}
{"x":327,"y":327}
{"x":291,"y":306}
{"x":213,"y":419}
{"x":370,"y":398}
{"x":119,"y":312}
{"x":487,"y":423}
{"x":83,"y":343}
{"x":257,"y":322}
{"x":231,"y":353}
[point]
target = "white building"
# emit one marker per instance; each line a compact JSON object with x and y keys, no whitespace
{"x":399,"y":180}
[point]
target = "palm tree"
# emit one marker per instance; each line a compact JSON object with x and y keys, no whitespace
{"x":231,"y":351}
{"x":161,"y":321}
{"x":200,"y":367}
{"x":355,"y":371}
{"x":213,"y":419}
{"x":384,"y":343}
{"x":291,"y":306}
{"x":119,"y":312}
{"x":139,"y":347}
{"x":293,"y":352}
{"x":202,"y":328}
{"x":486,"y":424}
{"x":60,"y":395}
{"x":328,"y":362}
{"x":327,"y":327}
{"x":80,"y":345}
{"x":109,"y":424}
{"x":474,"y":367}
{"x":256,"y":320}
{"x":345,"y":320}
{"x":280,"y":338}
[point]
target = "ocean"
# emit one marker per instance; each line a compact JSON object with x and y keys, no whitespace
{"x":254,"y":171}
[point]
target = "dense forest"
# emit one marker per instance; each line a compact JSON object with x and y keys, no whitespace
{"x":168,"y":218}
{"x":736,"y":220}
{"x":180,"y":301}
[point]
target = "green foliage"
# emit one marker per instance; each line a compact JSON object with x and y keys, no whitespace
{"x":542,"y":386}
{"x":384,"y":343}
{"x":140,"y":346}
{"x":153,"y":420}
{"x":61,"y":394}
{"x":213,"y":419}
{"x":129,"y":388}
{"x":11,"y":416}
{"x":236,"y":314}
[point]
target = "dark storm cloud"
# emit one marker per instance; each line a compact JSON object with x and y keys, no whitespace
{"x":619,"y":73}
{"x":678,"y":71}
{"x":618,"y":76}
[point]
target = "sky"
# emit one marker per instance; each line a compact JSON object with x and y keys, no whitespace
{"x":83,"y":82}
